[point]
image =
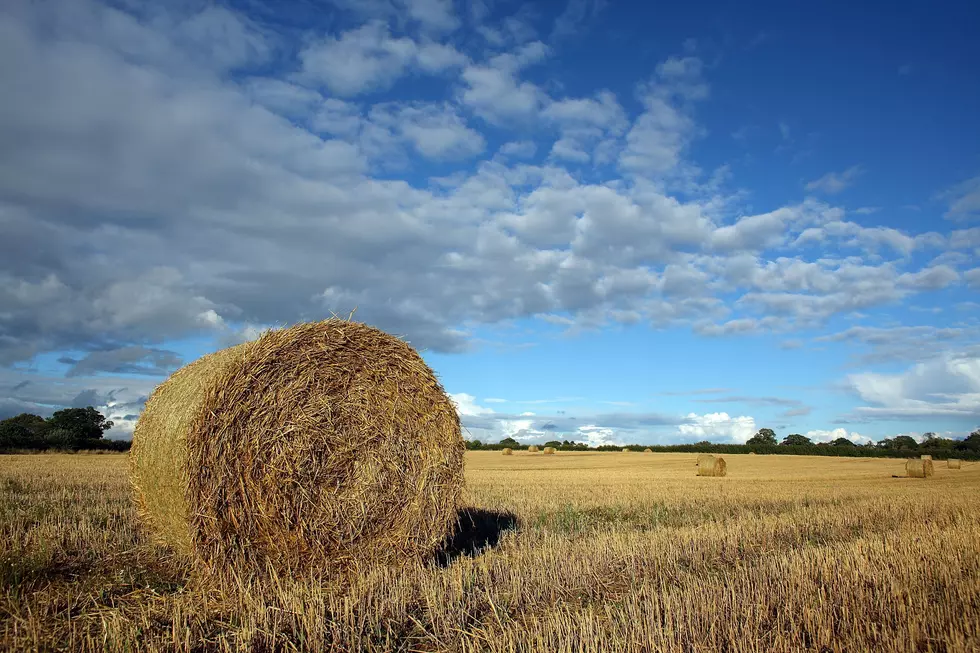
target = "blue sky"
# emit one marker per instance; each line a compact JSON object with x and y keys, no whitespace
{"x":609,"y":222}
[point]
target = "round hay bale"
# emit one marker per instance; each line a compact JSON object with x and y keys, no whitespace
{"x":322,"y":446}
{"x":508,"y":451}
{"x":533,"y":448}
{"x":648,"y":450}
{"x":626,"y":450}
{"x":549,"y":450}
{"x":712,"y":465}
{"x":953,"y":463}
{"x":929,"y":467}
{"x":926,"y":456}
{"x":918,"y":468}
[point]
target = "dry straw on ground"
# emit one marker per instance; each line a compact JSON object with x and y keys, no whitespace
{"x":919,"y":468}
{"x":508,"y":451}
{"x":549,"y":450}
{"x":712,"y":466}
{"x":533,"y":449}
{"x":953,"y":463}
{"x":324,"y":446}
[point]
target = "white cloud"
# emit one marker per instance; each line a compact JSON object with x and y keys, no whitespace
{"x":518,"y":149}
{"x":834,"y":182}
{"x":437,"y":15}
{"x":466,"y":404}
{"x":830,"y":436}
{"x":947,"y":386}
{"x":972,"y":277}
{"x":659,"y":135}
{"x":712,"y":426}
{"x":370,"y":58}
{"x":494,"y":92}
{"x":964,"y":200}
{"x":435,"y":131}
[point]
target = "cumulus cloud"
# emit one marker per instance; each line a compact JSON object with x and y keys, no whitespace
{"x":715,"y":426}
{"x":158,"y":182}
{"x":369,"y":58}
{"x":495,"y":92}
{"x":658,"y":137}
{"x":830,"y":436}
{"x":946,"y":386}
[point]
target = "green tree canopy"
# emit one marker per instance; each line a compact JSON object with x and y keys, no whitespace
{"x":510,"y":442}
{"x":843,"y":442}
{"x":81,"y":423}
{"x":24,"y":430}
{"x":553,"y":443}
{"x":763,"y":437}
{"x":797,"y":440}
{"x":933,"y":441}
{"x":905,"y":442}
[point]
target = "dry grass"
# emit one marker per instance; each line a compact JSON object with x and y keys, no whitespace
{"x":613,"y":553}
{"x":314,"y":448}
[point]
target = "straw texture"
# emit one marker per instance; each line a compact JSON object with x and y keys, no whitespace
{"x":324,"y":445}
{"x":712,"y":465}
{"x":953,"y":463}
{"x":919,"y":468}
{"x":549,"y":450}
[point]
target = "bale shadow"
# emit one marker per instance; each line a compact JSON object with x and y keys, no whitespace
{"x":476,"y":531}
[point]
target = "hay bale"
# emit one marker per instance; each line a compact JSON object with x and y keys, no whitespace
{"x":533,"y":448}
{"x":318,"y":447}
{"x":549,"y":450}
{"x":508,"y":451}
{"x":953,"y":463}
{"x":626,"y":450}
{"x":712,"y":465}
{"x":919,"y":468}
{"x":926,"y":456}
{"x":648,"y":450}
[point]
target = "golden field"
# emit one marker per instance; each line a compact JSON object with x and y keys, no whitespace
{"x":612,"y":552}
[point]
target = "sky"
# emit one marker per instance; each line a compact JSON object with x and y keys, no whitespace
{"x":598,"y":221}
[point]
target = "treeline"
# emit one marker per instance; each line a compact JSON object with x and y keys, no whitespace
{"x":71,"y":429}
{"x":765,"y":443}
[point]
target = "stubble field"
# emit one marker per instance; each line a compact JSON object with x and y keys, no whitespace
{"x":596,"y":552}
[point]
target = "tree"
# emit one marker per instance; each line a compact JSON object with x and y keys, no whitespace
{"x":702,"y":443}
{"x":904,"y":442}
{"x":970,"y":443}
{"x":553,"y":443}
{"x":796,"y":440}
{"x":763,"y":437}
{"x":933,"y":441}
{"x":23,"y":431}
{"x":842,"y":442}
{"x":474,"y":444}
{"x":510,"y":442}
{"x":80,"y":423}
